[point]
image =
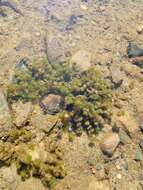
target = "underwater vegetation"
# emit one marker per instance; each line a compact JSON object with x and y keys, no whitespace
{"x":86,"y":106}
{"x":49,"y":170}
{"x":87,"y":96}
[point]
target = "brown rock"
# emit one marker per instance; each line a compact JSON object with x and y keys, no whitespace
{"x":51,"y":103}
{"x":109,"y":143}
{"x":128,"y":123}
{"x":140,"y":29}
{"x":81,"y":60}
{"x":21,"y":112}
{"x":43,"y":122}
{"x":5,"y":116}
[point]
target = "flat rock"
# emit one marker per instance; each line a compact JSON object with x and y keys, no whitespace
{"x":134,"y":50}
{"x":21,"y":112}
{"x":81,"y":60}
{"x":51,"y":103}
{"x":128,"y":123}
{"x":56,"y":50}
{"x":116,"y":75}
{"x":5,"y":116}
{"x":138,"y":154}
{"x":99,"y":185}
{"x":109,"y":143}
{"x":124,"y":138}
{"x":43,"y":122}
{"x":9,"y":178}
{"x":31,"y":184}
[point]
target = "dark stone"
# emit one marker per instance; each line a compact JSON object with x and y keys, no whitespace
{"x":138,"y":63}
{"x":134,"y":51}
{"x":141,"y":144}
{"x":141,"y":126}
{"x":72,"y":20}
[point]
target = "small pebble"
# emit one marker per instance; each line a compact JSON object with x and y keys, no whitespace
{"x":93,"y":170}
{"x":109,"y":143}
{"x":119,"y":176}
{"x":141,"y":144}
{"x":141,"y":126}
{"x":102,"y":8}
{"x":98,"y":167}
{"x":125,"y":165}
{"x":83,"y":7}
{"x":118,"y":167}
{"x":138,"y":155}
{"x":140,"y":29}
{"x":37,"y":34}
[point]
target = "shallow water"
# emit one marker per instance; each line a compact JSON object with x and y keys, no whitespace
{"x":101,"y":27}
{"x":64,"y":30}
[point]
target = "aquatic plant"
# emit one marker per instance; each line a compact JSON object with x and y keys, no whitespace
{"x":88,"y":100}
{"x":30,"y":82}
{"x":6,"y":153}
{"x":49,"y":170}
{"x":19,"y":135}
{"x":87,"y":96}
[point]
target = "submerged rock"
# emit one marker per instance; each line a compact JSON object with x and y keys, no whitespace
{"x":109,"y":143}
{"x":141,"y":126}
{"x":141,"y":144}
{"x":72,"y":20}
{"x":134,"y":50}
{"x":116,"y":75}
{"x":124,"y":138}
{"x":21,"y":112}
{"x":55,"y":50}
{"x":11,"y":5}
{"x":138,"y":62}
{"x":5,"y":116}
{"x":140,"y":29}
{"x":43,"y":122}
{"x":99,"y":185}
{"x":31,"y":183}
{"x":138,"y":155}
{"x":51,"y":103}
{"x":9,"y":178}
{"x":81,"y":60}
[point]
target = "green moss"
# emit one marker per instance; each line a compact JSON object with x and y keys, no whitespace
{"x":6,"y":153}
{"x":88,"y":97}
{"x":17,"y":135}
{"x":49,"y":170}
{"x":71,"y":137}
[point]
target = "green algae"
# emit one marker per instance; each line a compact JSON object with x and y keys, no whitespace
{"x":49,"y":171}
{"x":87,"y":96}
{"x":6,"y":153}
{"x":87,"y":103}
{"x":17,"y":135}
